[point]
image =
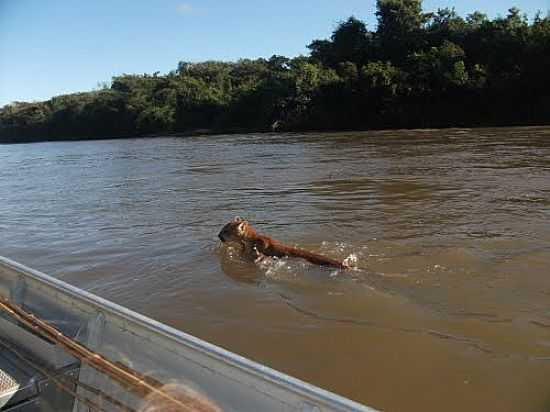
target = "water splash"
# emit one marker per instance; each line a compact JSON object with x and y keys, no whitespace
{"x":277,"y":268}
{"x":291,"y":268}
{"x":351,"y":260}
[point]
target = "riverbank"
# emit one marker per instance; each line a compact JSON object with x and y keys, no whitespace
{"x":214,"y":132}
{"x":189,"y":133}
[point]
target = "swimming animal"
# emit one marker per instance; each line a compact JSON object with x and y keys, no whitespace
{"x":259,"y":246}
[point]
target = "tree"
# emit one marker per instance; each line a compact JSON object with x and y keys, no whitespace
{"x":399,"y":30}
{"x":444,"y":24}
{"x":381,"y":77}
{"x":350,"y":41}
{"x":438,"y":69}
{"x":322,"y":52}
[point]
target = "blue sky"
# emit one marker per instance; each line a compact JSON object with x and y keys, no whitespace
{"x":50,"y":47}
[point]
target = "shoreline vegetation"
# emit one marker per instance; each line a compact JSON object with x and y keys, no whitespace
{"x":416,"y":70}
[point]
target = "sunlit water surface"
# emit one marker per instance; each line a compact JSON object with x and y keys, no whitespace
{"x":449,"y":308}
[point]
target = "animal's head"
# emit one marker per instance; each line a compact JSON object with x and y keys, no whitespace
{"x":234,"y":230}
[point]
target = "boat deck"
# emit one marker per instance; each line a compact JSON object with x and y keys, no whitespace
{"x":17,"y":381}
{"x":11,"y":379}
{"x":23,"y":388}
{"x":27,"y":383}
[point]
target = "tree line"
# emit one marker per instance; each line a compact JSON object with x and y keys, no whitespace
{"x":417,"y":69}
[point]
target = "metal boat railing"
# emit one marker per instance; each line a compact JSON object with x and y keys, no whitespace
{"x":147,"y":347}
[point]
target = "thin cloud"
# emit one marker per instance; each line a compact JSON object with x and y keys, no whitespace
{"x":186,"y":9}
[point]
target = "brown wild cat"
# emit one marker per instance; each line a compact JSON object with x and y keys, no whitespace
{"x":259,"y":246}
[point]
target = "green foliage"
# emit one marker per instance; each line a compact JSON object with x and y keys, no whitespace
{"x":416,"y":69}
{"x":444,"y":25}
{"x":381,"y":76}
{"x":438,"y":69}
{"x":350,"y":42}
{"x":400,"y":24}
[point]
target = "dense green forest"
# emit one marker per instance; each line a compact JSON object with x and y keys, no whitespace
{"x":417,"y":69}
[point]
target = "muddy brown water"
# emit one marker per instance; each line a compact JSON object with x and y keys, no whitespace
{"x":449,"y":309}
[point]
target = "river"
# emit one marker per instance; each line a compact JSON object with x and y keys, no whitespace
{"x":449,"y":308}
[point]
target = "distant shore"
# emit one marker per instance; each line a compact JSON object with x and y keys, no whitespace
{"x":210,"y":132}
{"x":416,"y":70}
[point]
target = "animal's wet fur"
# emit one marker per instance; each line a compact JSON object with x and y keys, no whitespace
{"x":258,"y":246}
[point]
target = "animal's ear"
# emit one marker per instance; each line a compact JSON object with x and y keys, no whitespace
{"x":242,"y":227}
{"x":238,"y":219}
